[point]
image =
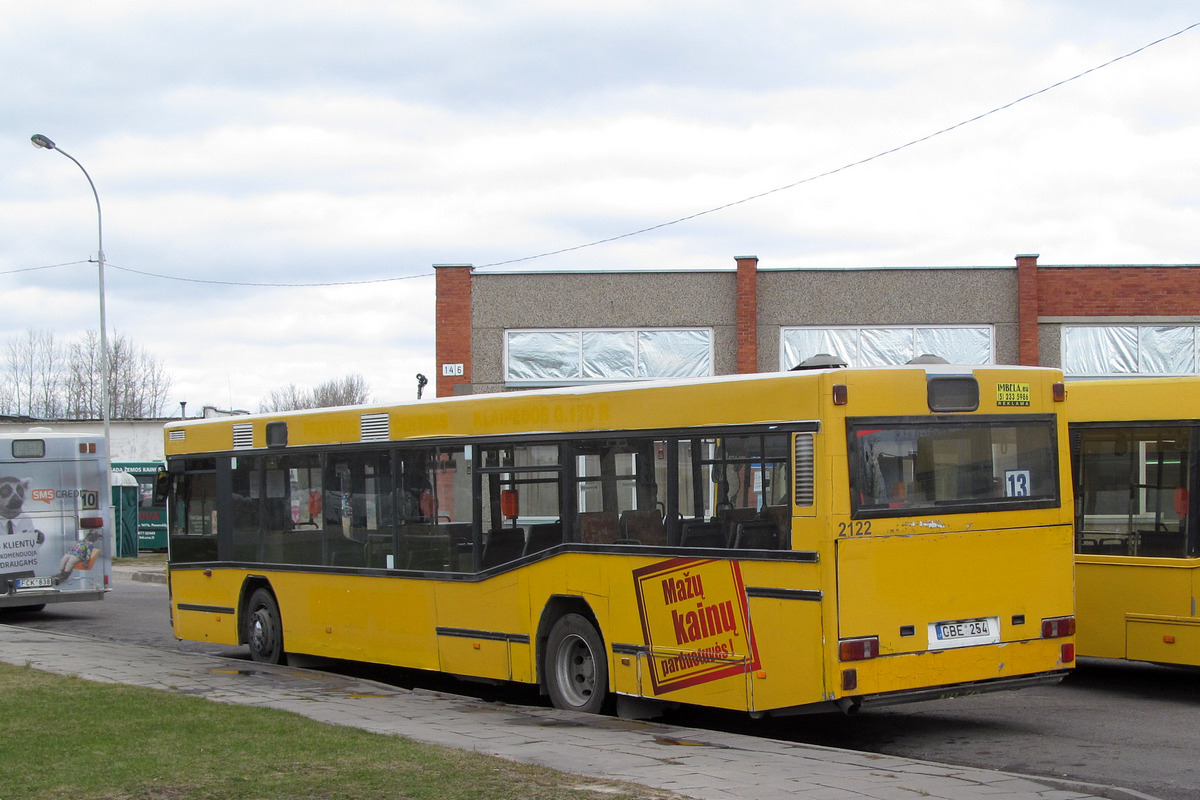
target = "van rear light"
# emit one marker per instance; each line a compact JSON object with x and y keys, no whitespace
{"x":1058,"y":627}
{"x":858,"y":649}
{"x":1068,"y":653}
{"x":91,"y":522}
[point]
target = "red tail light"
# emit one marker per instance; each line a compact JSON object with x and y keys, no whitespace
{"x":91,"y":522}
{"x":858,"y":649}
{"x":1058,"y":627}
{"x":1068,"y":653}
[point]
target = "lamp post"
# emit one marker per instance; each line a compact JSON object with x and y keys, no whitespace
{"x":41,"y":141}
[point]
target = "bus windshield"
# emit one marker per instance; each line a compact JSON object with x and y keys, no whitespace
{"x":951,"y":465}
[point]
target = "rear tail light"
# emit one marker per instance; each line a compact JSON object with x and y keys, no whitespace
{"x":1068,"y":653}
{"x":858,"y":649}
{"x":91,"y":522}
{"x":1058,"y":627}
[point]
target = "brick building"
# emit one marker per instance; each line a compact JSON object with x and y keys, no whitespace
{"x":515,"y":330}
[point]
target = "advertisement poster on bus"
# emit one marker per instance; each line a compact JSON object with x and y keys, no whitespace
{"x":696,"y":622}
{"x":41,"y":545}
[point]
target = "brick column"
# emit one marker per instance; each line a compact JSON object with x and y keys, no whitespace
{"x":452,"y":334}
{"x":1027,"y":309}
{"x":747,"y":314}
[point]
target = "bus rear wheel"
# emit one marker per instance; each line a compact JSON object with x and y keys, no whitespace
{"x":576,"y":667}
{"x":264,"y":628}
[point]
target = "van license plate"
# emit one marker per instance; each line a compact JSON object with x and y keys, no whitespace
{"x":34,"y":583}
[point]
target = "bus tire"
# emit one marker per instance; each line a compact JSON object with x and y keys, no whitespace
{"x":576,"y":668}
{"x":264,"y":628}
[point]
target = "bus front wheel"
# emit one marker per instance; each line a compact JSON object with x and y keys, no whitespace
{"x":576,"y":667}
{"x":265,"y":628}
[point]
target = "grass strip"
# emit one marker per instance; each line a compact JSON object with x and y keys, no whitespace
{"x":67,"y":737}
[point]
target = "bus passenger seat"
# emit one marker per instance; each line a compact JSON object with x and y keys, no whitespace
{"x":597,"y":527}
{"x":543,"y":537}
{"x":757,"y":535}
{"x":503,"y":545}
{"x":698,"y":533}
{"x":645,"y":527}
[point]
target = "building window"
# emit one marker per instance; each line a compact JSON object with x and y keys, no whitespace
{"x":592,"y":355}
{"x":881,"y":346}
{"x":1096,"y":350}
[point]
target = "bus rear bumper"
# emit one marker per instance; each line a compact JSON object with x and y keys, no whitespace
{"x":852,"y":704}
{"x":954,"y":690}
{"x":31,"y":599}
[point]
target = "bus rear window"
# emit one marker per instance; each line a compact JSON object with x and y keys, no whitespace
{"x":29,"y":448}
{"x":951,"y":465}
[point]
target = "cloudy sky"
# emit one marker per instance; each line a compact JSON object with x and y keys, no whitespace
{"x":242,"y":150}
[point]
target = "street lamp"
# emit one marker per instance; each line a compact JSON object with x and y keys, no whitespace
{"x":41,"y":141}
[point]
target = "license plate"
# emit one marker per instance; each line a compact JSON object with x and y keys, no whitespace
{"x":34,"y":583}
{"x":964,"y":632}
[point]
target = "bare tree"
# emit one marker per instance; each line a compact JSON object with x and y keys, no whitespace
{"x":32,"y":381}
{"x":351,"y":390}
{"x":287,"y":398}
{"x":44,"y":379}
{"x":83,"y":378}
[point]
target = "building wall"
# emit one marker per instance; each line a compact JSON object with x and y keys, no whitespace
{"x":503,"y":301}
{"x":1026,"y":305}
{"x":898,"y":296}
{"x":1129,"y":291}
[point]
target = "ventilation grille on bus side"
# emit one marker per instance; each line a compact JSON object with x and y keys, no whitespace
{"x":176,"y":435}
{"x":243,"y":435}
{"x":374,"y":428}
{"x":804,"y":469}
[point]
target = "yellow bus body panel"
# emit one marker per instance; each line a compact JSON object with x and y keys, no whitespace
{"x":1126,"y":606}
{"x":886,"y":584}
{"x":1139,"y":608}
{"x":899,"y":673}
{"x":219,"y":590}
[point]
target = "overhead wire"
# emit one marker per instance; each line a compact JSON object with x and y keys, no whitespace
{"x":679,"y":220}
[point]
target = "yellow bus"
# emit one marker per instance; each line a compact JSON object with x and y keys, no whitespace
{"x":775,"y":544}
{"x":1134,"y":451}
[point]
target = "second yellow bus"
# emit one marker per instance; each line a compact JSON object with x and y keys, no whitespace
{"x":1134,"y":454}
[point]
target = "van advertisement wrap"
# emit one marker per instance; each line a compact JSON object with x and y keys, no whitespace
{"x":42,"y":547}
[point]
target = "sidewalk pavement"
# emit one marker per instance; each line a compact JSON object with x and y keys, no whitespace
{"x":695,"y":763}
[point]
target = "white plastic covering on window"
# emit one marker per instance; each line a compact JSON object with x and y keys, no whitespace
{"x":543,"y":355}
{"x":1169,"y":350}
{"x":674,"y":354}
{"x":956,"y":345}
{"x":801,"y":343}
{"x":881,"y":346}
{"x":1091,"y":350}
{"x":566,"y":356}
{"x":878,"y":347}
{"x":610,"y":354}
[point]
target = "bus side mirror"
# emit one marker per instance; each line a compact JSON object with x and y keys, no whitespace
{"x":162,"y":483}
